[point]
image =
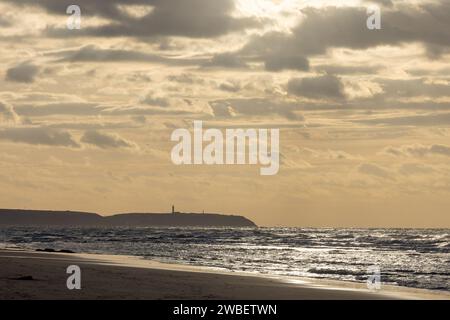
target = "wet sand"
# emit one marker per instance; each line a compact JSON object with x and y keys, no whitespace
{"x":122,"y":277}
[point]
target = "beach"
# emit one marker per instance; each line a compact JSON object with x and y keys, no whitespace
{"x":26,"y":274}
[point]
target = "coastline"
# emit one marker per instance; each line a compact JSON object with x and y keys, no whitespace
{"x":129,"y":277}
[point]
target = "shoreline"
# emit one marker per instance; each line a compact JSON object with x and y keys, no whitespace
{"x":131,"y":277}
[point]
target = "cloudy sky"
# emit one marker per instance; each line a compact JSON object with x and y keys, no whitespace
{"x":364,"y":115}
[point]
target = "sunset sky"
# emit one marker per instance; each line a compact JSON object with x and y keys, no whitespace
{"x":364,"y":115}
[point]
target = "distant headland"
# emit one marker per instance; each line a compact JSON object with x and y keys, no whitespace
{"x":20,"y":217}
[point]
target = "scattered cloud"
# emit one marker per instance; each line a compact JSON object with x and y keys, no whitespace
{"x":153,"y":99}
{"x":7,"y":113}
{"x":188,"y":18}
{"x":63,"y":108}
{"x":330,"y":27}
{"x":230,"y":86}
{"x":321,"y":87}
{"x":328,"y":154}
{"x":340,"y":69}
{"x":105,"y":140}
{"x":25,"y":72}
{"x":433,"y":119}
{"x":39,"y":136}
{"x":254,"y":108}
{"x":418,"y":150}
{"x":374,"y":170}
{"x":409,"y":169}
{"x":225,"y":60}
{"x":94,"y":53}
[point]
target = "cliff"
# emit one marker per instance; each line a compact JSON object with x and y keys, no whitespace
{"x":86,"y":219}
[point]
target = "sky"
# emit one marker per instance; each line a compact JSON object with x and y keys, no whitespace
{"x":86,"y":114}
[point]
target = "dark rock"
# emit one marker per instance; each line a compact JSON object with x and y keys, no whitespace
{"x":24,"y":278}
{"x":66,"y":251}
{"x":46,"y":250}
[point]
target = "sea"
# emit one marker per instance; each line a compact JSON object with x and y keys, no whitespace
{"x":418,"y":258}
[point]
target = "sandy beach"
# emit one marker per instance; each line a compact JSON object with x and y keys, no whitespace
{"x":122,"y":277}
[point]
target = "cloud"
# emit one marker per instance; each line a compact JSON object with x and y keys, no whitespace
{"x":158,"y":105}
{"x":322,"y":29}
{"x":321,"y":87}
{"x":420,"y":71}
{"x":141,"y":110}
{"x":107,"y":9}
{"x":90,"y":124}
{"x":413,"y":88}
{"x":347,"y":69}
{"x":25,"y":72}
{"x":5,"y":21}
{"x":230,"y":86}
{"x":279,"y":62}
{"x":7,"y":113}
{"x":139,"y":119}
{"x":417,"y":150}
{"x":433,"y":119}
{"x":386,"y":3}
{"x":222,"y":109}
{"x":105,"y":140}
{"x":139,"y":77}
{"x":288,"y":163}
{"x":255,"y":107}
{"x":39,"y":136}
{"x":329,"y":154}
{"x":226,"y":60}
{"x":415,"y":169}
{"x":93,"y":53}
{"x":275,"y":51}
{"x":187,"y":18}
{"x":186,"y":78}
{"x":153,"y":99}
{"x":63,"y":108}
{"x":161,"y":101}
{"x":374,"y":170}
{"x":431,"y":25}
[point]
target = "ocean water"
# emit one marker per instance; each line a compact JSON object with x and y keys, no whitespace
{"x":408,"y":257}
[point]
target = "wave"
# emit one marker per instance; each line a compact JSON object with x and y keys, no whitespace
{"x":410,"y":257}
